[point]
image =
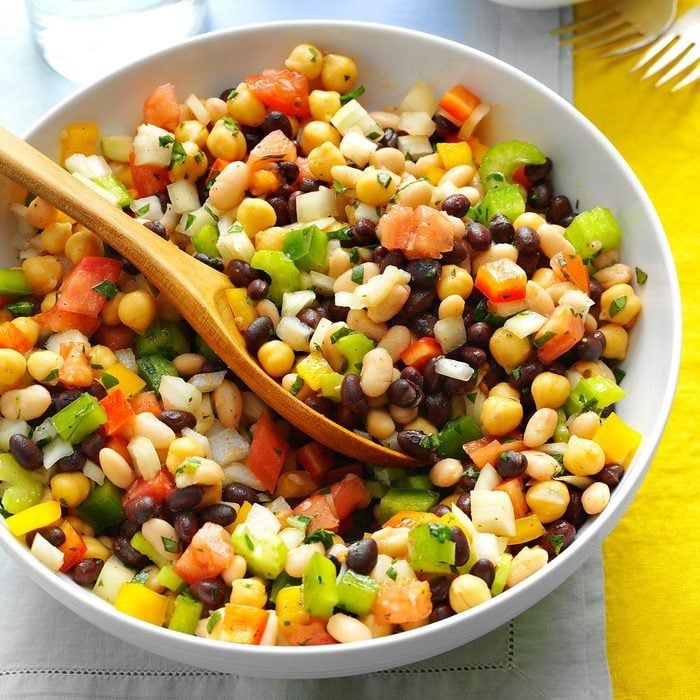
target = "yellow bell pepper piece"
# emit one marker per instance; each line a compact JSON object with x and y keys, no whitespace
{"x":454,"y":154}
{"x":34,"y":518}
{"x":478,"y":149}
{"x":138,"y":601}
{"x":242,"y":513}
{"x":312,"y":368}
{"x":618,"y":440}
{"x":527,"y":529}
{"x":434,"y":174}
{"x":80,"y":137}
{"x":243,"y":624}
{"x":129,"y":382}
{"x":411,"y":518}
{"x":290,"y":607}
{"x":242,"y":307}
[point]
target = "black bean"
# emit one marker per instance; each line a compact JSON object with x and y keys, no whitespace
{"x":186,"y":526}
{"x":390,"y":138}
{"x":240,"y":273}
{"x":157,"y":228}
{"x":252,"y":138}
{"x":86,"y":571}
{"x":457,"y":387}
{"x":539,"y":196}
{"x":526,"y":374}
{"x":529,"y":262}
{"x":224,"y":95}
{"x":431,"y":379}
{"x":485,"y":570}
{"x":97,"y":390}
{"x":456,"y":205}
{"x":178,"y":420}
{"x":424,"y":273}
{"x":274,"y":121}
{"x":511,"y":464}
{"x":210,"y":591}
{"x":495,"y":375}
{"x":363,"y":232}
{"x":567,"y":220}
{"x":185,"y":498}
{"x":473,"y":356}
{"x":437,"y":409}
{"x":281,"y":211}
{"x":288,"y":170}
{"x":54,"y":535}
{"x":559,"y":536}
{"x":559,"y":209}
{"x":219,"y":513}
{"x":337,"y":313}
{"x":26,"y":452}
{"x":439,"y":589}
{"x":440,"y":612}
{"x":126,"y":553}
{"x":310,"y":185}
{"x":461,"y":546}
{"x":284,"y":192}
{"x":239,"y":493}
{"x":464,"y":503}
{"x":590,"y":347}
{"x":66,"y":398}
{"x":575,"y":514}
{"x":72,"y":463}
{"x":321,"y":404}
{"x":362,"y":556}
{"x":126,"y":529}
{"x":440,"y":509}
{"x":479,"y":334}
{"x":392,"y":257}
{"x":457,"y":255}
{"x":202,"y":186}
{"x":404,"y":393}
{"x":412,"y":442}
{"x":310,"y":317}
{"x":610,"y":474}
{"x":140,"y":509}
{"x":595,"y":290}
{"x":526,"y":240}
{"x":478,"y":236}
{"x":413,"y":375}
{"x":345,"y":417}
{"x":424,"y":324}
{"x":210,"y":261}
{"x":258,"y":289}
{"x":443,"y":126}
{"x":258,"y":332}
{"x":501,"y":229}
{"x":352,"y":397}
{"x":537,"y":173}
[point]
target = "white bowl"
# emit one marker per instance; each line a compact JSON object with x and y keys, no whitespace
{"x":587,"y":167}
{"x":537,"y":4}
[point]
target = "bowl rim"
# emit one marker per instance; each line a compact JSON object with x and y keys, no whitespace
{"x":517,"y":599}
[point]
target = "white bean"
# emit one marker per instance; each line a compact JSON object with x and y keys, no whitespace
{"x":344,"y":628}
{"x":391,"y":305}
{"x":540,"y":465}
{"x":396,"y":340}
{"x":540,"y":427}
{"x":162,"y":537}
{"x":359,"y":321}
{"x":377,"y":372}
{"x":552,"y":240}
{"x":228,"y":404}
{"x":298,"y":558}
{"x":445,"y":473}
{"x":148,"y":426}
{"x":525,"y":563}
{"x":235,"y":570}
{"x":595,"y":498}
{"x":230,"y":186}
{"x":25,"y":404}
{"x":116,"y":468}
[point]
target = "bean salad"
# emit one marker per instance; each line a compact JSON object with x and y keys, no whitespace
{"x":434,"y":293}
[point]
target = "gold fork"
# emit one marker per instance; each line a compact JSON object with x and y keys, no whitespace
{"x":635,"y":22}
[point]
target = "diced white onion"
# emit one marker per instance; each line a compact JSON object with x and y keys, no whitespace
{"x":178,"y":395}
{"x":577,"y":301}
{"x":87,"y":166}
{"x":415,"y":147}
{"x":46,"y":553}
{"x":364,"y":211}
{"x":279,"y":505}
{"x":183,"y":196}
{"x":127,"y":358}
{"x":43,"y":433}
{"x":454,"y":369}
{"x":262,"y":522}
{"x":147,"y":208}
{"x":419,"y":98}
{"x":485,"y":545}
{"x":235,"y":246}
{"x":323,"y":284}
{"x":153,"y":146}
{"x":469,"y":126}
{"x":93,"y":472}
{"x":241,"y":473}
{"x":492,"y":511}
{"x":553,"y":448}
{"x":319,"y":335}
{"x":118,"y":147}
{"x":200,"y":112}
{"x":208,"y":381}
{"x":506,"y":309}
{"x":113,"y":575}
{"x":10,"y":427}
{"x":525,"y":323}
{"x":450,"y":333}
{"x":55,"y":450}
{"x":295,"y":333}
{"x":354,"y":114}
{"x":373,"y":292}
{"x":170,"y":218}
{"x":417,"y":123}
{"x":315,"y":205}
{"x":349,"y":300}
{"x":144,"y":456}
{"x":228,"y":446}
{"x":294,"y":302}
{"x":356,"y":147}
{"x":488,"y":479}
{"x":195,"y":221}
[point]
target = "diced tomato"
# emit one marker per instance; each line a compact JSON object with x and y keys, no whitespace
{"x":570,"y":267}
{"x":275,"y":147}
{"x":400,"y":602}
{"x":58,"y":320}
{"x":316,"y":459}
{"x":321,"y":509}
{"x":13,"y":338}
{"x":158,"y":487}
{"x":267,"y":452}
{"x":76,"y":370}
{"x":339,"y":473}
{"x":519,"y":177}
{"x":516,"y":492}
{"x":119,"y":412}
{"x":148,"y":179}
{"x":559,"y":334}
{"x":73,"y":548}
{"x":304,"y":169}
{"x":282,"y":90}
{"x":208,"y":554}
{"x":419,"y":353}
{"x":501,"y":280}
{"x":161,"y":107}
{"x":78,"y":293}
{"x":118,"y":444}
{"x":419,"y":233}
{"x":311,"y":633}
{"x":486,"y":450}
{"x":115,"y":337}
{"x":348,"y":495}
{"x":145,"y":402}
{"x":459,"y":102}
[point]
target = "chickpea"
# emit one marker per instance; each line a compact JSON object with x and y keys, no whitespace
{"x":544,"y":276}
{"x":616,"y":340}
{"x":423,"y":425}
{"x":12,"y":366}
{"x":249,"y":591}
{"x":110,"y":310}
{"x":256,"y":215}
{"x":28,"y":327}
{"x":414,"y":192}
{"x":243,"y":106}
{"x":182,"y":448}
{"x":101,"y":357}
{"x":530,"y":219}
{"x":505,"y":389}
{"x":338,"y":73}
{"x":236,"y":569}
{"x":323,"y":158}
{"x":585,"y":426}
{"x":306,"y":59}
{"x":49,"y":301}
{"x":451,"y":307}
{"x":230,"y":186}
{"x":467,"y":591}
{"x":379,"y":424}
{"x":548,"y":500}
{"x":44,"y":273}
{"x":83,"y":244}
{"x":454,"y":280}
{"x":192,"y":131}
{"x":583,"y":457}
{"x":509,"y":350}
{"x":500,"y":416}
{"x":447,"y":472}
{"x":323,"y":104}
{"x":375,"y":187}
{"x":137,"y":310}
{"x":40,"y":213}
{"x":276,"y":358}
{"x":191,"y":162}
{"x":226,"y":140}
{"x":550,"y":390}
{"x":620,"y":304}
{"x":388,"y":159}
{"x":595,"y":498}
{"x":53,"y":238}
{"x":317,"y":132}
{"x":70,"y":488}
{"x":43,"y":364}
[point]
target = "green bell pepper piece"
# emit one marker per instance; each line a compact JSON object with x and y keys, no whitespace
{"x":415,"y":481}
{"x":431,"y":549}
{"x":376,"y":488}
{"x":356,"y":593}
{"x":204,"y":241}
{"x":502,"y":572}
{"x":593,"y":394}
{"x":203,"y":349}
{"x":79,"y":419}
{"x":387,"y":475}
{"x":330,"y":385}
{"x":283,"y":273}
{"x":168,"y":578}
{"x":103,"y":507}
{"x":395,"y":500}
{"x":308,"y":248}
{"x":284,"y":580}
{"x":186,"y":614}
{"x":153,"y":368}
{"x":141,"y":544}
{"x":115,"y":188}
{"x":455,"y":433}
{"x":165,"y":339}
{"x":506,"y":200}
{"x":319,"y":591}
{"x":502,"y":159}
{"x":354,"y":347}
{"x":590,"y":226}
{"x":20,"y":489}
{"x":14,"y":283}
{"x":265,"y":556}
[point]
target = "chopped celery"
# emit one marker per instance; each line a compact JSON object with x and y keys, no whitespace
{"x":330,"y":385}
{"x":283,"y":273}
{"x":455,"y":433}
{"x":265,"y":555}
{"x":415,"y":481}
{"x":103,"y":507}
{"x":387,"y":475}
{"x":353,"y":347}
{"x":431,"y":549}
{"x":318,"y":586}
{"x":376,"y":488}
{"x":141,"y":544}
{"x":79,"y":419}
{"x":204,"y":241}
{"x":308,"y":248}
{"x":284,"y":580}
{"x":153,"y":368}
{"x":20,"y":489}
{"x":589,"y":227}
{"x":14,"y":283}
{"x":116,"y":188}
{"x":502,"y":159}
{"x":593,"y":394}
{"x":356,"y":593}
{"x":117,"y":148}
{"x":506,"y":200}
{"x":502,"y":572}
{"x":168,"y":578}
{"x":161,"y":338}
{"x":395,"y":500}
{"x":186,"y":614}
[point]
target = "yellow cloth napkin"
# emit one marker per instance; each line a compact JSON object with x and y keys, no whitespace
{"x":652,"y":559}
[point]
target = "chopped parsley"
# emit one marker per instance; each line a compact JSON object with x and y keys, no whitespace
{"x":642,"y":276}
{"x":53,"y":374}
{"x":143,"y":210}
{"x":557,"y":543}
{"x":440,"y":532}
{"x":354,"y":254}
{"x":170,"y":545}
{"x":430,"y":442}
{"x":213,"y":620}
{"x":392,"y":573}
{"x":338,"y":187}
{"x":314,"y":54}
{"x":353,"y":94}
{"x":480,"y":311}
{"x":189,"y":220}
{"x":374,"y":135}
{"x":619,"y":374}
{"x":542,"y":340}
{"x":616,"y":305}
{"x":384,"y":179}
{"x":179,"y":155}
{"x":211,"y":213}
{"x":298,"y":521}
{"x":141,"y":577}
{"x":341,"y":234}
{"x":297,"y":386}
{"x":166,"y":139}
{"x":340,"y":333}
{"x":516,"y":373}
{"x":471,"y":397}
{"x":232,"y":95}
{"x":21,"y":308}
{"x":322,"y":536}
{"x":249,"y":542}
{"x":107,"y":289}
{"x":357,"y":274}
{"x":231,"y":125}
{"x":109,"y":380}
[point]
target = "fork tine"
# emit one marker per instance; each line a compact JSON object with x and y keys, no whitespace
{"x":685,"y":62}
{"x":593,"y":34}
{"x":573,"y":26}
{"x":605,"y":41}
{"x":653,"y":50}
{"x":628,"y":48}
{"x":668,"y":57}
{"x":690,"y":78}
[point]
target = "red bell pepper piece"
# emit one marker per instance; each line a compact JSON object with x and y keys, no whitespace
{"x":73,"y":548}
{"x":316,"y":459}
{"x":486,"y":450}
{"x":145,"y":402}
{"x":78,"y":289}
{"x":418,"y":354}
{"x":13,"y":338}
{"x":148,"y":179}
{"x":119,"y":412}
{"x":349,"y":495}
{"x":519,"y":177}
{"x":115,"y":337}
{"x":516,"y":492}
{"x":268,"y":451}
{"x":118,"y":444}
{"x":501,"y":280}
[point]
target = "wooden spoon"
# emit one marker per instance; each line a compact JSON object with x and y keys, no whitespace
{"x":194,"y":289}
